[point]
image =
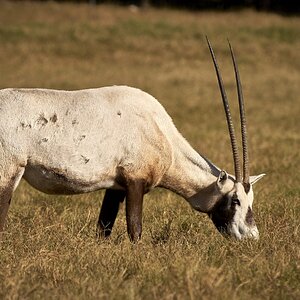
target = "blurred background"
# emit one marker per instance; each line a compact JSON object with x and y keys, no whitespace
{"x":283,"y":6}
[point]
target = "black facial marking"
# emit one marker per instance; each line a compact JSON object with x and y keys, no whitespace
{"x":235,"y":200}
{"x":223,"y":213}
{"x":246,"y":187}
{"x":249,"y":217}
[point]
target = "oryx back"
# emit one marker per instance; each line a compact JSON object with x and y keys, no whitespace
{"x":78,"y":141}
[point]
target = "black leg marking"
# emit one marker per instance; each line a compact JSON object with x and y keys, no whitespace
{"x":109,"y":211}
{"x":134,"y":208}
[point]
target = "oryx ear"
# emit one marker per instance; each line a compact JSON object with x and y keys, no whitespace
{"x":223,"y":176}
{"x":255,"y":178}
{"x":205,"y":199}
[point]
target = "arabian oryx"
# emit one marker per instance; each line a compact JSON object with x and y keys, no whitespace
{"x":120,"y":139}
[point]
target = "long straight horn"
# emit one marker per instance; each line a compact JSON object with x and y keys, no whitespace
{"x":246,"y":174}
{"x":235,"y":153}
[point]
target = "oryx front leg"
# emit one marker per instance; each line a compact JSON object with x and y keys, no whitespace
{"x":134,"y":208}
{"x":109,"y":211}
{"x":7,"y":185}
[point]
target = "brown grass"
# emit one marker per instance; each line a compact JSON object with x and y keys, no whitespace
{"x":49,"y":250}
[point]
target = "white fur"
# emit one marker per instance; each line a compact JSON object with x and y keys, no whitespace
{"x":86,"y":135}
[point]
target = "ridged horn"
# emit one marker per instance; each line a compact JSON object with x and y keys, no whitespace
{"x":246,"y":173}
{"x":235,"y":153}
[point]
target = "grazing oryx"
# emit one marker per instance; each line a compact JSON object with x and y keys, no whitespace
{"x":120,"y":139}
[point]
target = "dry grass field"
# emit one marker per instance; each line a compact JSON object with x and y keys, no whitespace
{"x":49,"y":249}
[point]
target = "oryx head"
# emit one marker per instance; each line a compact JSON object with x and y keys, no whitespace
{"x":228,"y":201}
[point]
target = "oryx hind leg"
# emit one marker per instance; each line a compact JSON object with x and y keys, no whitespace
{"x":8,"y":183}
{"x":109,"y":211}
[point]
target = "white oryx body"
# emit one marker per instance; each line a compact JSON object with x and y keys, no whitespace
{"x":120,"y":139}
{"x":77,"y":141}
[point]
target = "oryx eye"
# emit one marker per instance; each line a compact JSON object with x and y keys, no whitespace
{"x":235,"y":201}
